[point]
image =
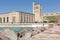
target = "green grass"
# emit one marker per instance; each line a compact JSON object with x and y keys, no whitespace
{"x":51,"y":18}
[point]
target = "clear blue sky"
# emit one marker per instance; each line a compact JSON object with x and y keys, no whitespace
{"x":48,"y":6}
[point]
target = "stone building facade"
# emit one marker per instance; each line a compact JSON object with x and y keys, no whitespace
{"x":37,"y":10}
{"x":23,"y":17}
{"x":17,"y":17}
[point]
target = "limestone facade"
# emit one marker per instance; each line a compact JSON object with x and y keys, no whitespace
{"x":37,"y":11}
{"x":16,"y":17}
{"x":23,"y":17}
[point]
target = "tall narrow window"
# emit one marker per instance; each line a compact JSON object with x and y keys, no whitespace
{"x":21,"y":19}
{"x":27,"y":18}
{"x":24,"y":18}
{"x":0,"y":20}
{"x":13,"y":19}
{"x":7,"y":19}
{"x":3,"y":19}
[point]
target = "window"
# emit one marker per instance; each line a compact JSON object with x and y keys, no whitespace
{"x":27,"y":18}
{"x":3,"y":19}
{"x":7,"y":19}
{"x":0,"y":20}
{"x":36,"y":7}
{"x":13,"y":19}
{"x":21,"y":19}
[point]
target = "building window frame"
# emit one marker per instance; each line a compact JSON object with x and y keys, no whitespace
{"x":7,"y":19}
{"x":3,"y":19}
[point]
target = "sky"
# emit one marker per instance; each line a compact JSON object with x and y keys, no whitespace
{"x":48,"y":6}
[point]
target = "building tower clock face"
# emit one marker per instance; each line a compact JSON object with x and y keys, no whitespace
{"x":36,"y":7}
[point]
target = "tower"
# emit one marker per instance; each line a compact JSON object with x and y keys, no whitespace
{"x":37,"y":11}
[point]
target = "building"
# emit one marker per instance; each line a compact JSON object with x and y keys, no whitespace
{"x":17,"y":17}
{"x":23,"y":17}
{"x":37,"y":11}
